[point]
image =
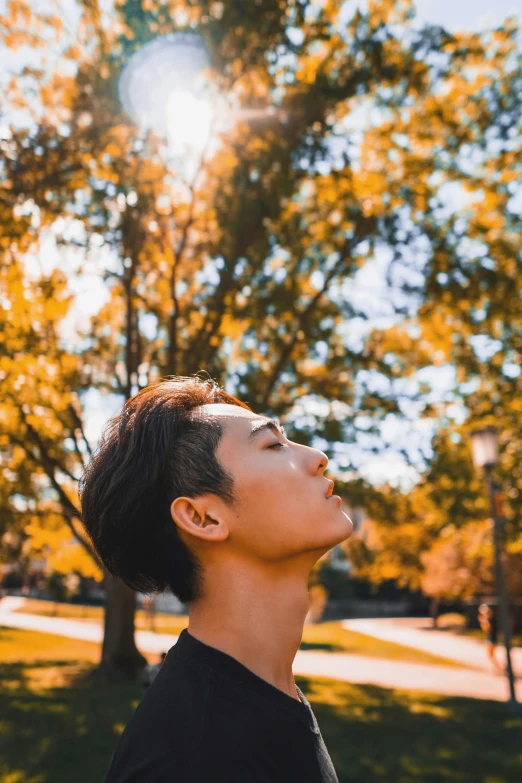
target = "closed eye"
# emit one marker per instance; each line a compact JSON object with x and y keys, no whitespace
{"x":277,"y":445}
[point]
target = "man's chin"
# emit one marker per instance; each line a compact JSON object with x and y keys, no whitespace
{"x":348,"y":526}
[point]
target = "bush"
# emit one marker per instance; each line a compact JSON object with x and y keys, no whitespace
{"x":55,"y":587}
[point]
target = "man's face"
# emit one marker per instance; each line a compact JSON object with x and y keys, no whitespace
{"x":282,"y":507}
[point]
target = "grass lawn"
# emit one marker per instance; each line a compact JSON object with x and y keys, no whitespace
{"x":56,"y":726}
{"x":325,"y":637}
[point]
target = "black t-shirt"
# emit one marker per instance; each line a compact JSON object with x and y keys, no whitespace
{"x":206,"y":718}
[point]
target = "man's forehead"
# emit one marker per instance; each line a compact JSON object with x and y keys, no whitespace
{"x":238,"y":420}
{"x":224,"y":410}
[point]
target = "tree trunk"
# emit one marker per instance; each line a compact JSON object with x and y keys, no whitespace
{"x":121,"y":659}
{"x":434,"y":612}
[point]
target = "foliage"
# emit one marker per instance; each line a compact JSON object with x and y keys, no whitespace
{"x":235,"y":270}
{"x":41,"y":433}
{"x":469,"y":317}
{"x":438,"y":537}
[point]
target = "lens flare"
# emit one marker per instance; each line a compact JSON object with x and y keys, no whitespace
{"x":164,"y":88}
{"x":188,"y":120}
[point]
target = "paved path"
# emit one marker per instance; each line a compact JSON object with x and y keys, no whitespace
{"x":417,"y":633}
{"x":342,"y":666}
{"x":148,"y":641}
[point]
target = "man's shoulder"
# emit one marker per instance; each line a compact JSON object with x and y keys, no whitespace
{"x":166,"y":727}
{"x":195,"y":723}
{"x":173,"y":708}
{"x":182,"y":687}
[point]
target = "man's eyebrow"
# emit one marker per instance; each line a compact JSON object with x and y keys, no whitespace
{"x":268,"y":424}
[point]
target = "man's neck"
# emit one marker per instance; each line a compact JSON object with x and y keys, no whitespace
{"x":259,"y":623}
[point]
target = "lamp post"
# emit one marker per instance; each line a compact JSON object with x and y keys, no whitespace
{"x":484,"y":449}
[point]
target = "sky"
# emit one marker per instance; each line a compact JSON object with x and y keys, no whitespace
{"x":467,"y":14}
{"x":454,"y":14}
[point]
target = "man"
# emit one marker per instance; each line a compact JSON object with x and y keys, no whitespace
{"x":488,"y":620}
{"x":190,"y":490}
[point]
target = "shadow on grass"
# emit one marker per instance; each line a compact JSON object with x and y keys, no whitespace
{"x":56,"y":733}
{"x":58,"y":725}
{"x":376,"y":735}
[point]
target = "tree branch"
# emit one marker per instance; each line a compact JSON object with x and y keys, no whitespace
{"x":68,"y":509}
{"x":79,"y":425}
{"x":40,"y":445}
{"x":177,"y":259}
{"x":301,"y":323}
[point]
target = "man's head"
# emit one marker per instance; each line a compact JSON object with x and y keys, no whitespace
{"x":187,"y":473}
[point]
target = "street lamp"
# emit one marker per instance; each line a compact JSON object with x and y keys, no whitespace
{"x":484,"y":449}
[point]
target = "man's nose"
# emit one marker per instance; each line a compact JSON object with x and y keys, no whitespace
{"x":322,"y":460}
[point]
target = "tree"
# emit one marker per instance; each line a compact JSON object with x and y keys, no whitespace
{"x":438,"y":537}
{"x":469,"y":317}
{"x":238,"y":270}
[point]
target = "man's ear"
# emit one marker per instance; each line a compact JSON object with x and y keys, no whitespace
{"x":192,"y":516}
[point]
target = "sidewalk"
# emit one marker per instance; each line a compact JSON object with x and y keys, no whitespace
{"x":408,"y":632}
{"x":75,"y":629}
{"x":342,"y":666}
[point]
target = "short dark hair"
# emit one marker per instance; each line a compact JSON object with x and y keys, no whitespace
{"x":156,"y":449}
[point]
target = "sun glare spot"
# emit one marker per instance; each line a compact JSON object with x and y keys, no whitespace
{"x":188,"y":120}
